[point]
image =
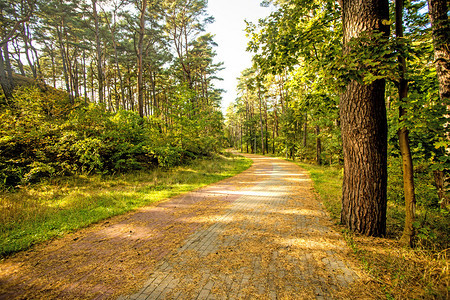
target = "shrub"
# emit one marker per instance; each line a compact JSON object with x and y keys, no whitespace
{"x":43,"y":134}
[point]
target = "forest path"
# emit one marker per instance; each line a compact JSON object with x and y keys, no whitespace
{"x":260,"y":234}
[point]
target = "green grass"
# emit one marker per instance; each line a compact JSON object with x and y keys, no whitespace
{"x":37,"y":213}
{"x":328,"y":184}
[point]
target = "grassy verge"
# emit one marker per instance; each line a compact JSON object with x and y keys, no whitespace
{"x":40,"y":212}
{"x":396,"y":272}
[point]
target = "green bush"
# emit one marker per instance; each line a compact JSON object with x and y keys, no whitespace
{"x":44,"y":135}
{"x":426,"y":193}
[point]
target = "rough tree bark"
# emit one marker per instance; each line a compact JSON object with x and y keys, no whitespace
{"x":364,"y":130}
{"x":438,"y":11}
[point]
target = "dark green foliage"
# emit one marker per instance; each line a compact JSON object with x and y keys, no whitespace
{"x":426,"y":195}
{"x":44,"y":135}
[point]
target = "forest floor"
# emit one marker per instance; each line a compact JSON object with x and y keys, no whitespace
{"x":261,"y":234}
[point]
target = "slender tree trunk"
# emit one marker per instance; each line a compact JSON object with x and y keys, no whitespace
{"x":305,"y":130}
{"x":273,"y":139}
{"x":4,"y":80}
{"x":403,"y":137}
{"x":266,"y":125}
{"x":18,"y":60}
{"x":98,"y":52}
{"x":52,"y":55}
{"x":140,"y":55}
{"x":26,"y":40}
{"x":8,"y":66}
{"x":112,"y":29}
{"x":318,"y":146}
{"x":276,"y":125}
{"x":76,"y":80}
{"x":38,"y":64}
{"x":364,"y":130}
{"x":84,"y":77}
{"x":64,"y":61}
{"x":92,"y":82}
{"x":242,"y":144}
{"x":439,"y":179}
{"x":246,"y":125}
{"x":261,"y":121}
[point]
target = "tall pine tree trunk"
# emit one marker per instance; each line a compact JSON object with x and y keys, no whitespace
{"x":438,"y":11}
{"x":64,"y":60}
{"x":364,"y":130}
{"x":140,"y":56}
{"x":98,"y":52}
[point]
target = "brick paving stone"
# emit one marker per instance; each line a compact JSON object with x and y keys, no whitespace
{"x":308,"y":260}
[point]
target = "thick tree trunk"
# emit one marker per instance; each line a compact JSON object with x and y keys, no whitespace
{"x":364,"y":131}
{"x":438,"y":10}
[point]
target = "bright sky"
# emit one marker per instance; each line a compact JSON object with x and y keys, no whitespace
{"x":230,"y":36}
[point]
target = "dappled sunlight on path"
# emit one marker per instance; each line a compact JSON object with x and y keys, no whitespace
{"x":258,"y":235}
{"x":274,"y":242}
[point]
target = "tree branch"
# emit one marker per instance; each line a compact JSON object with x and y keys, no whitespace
{"x":13,"y":30}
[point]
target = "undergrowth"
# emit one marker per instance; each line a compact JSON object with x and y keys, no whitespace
{"x":58,"y":205}
{"x":396,"y":272}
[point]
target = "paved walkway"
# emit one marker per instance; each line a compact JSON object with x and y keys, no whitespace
{"x":258,"y":235}
{"x":272,"y":243}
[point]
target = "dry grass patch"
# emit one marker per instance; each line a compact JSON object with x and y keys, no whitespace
{"x":396,"y":272}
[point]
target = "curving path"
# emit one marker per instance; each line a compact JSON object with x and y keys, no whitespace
{"x":258,"y":235}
